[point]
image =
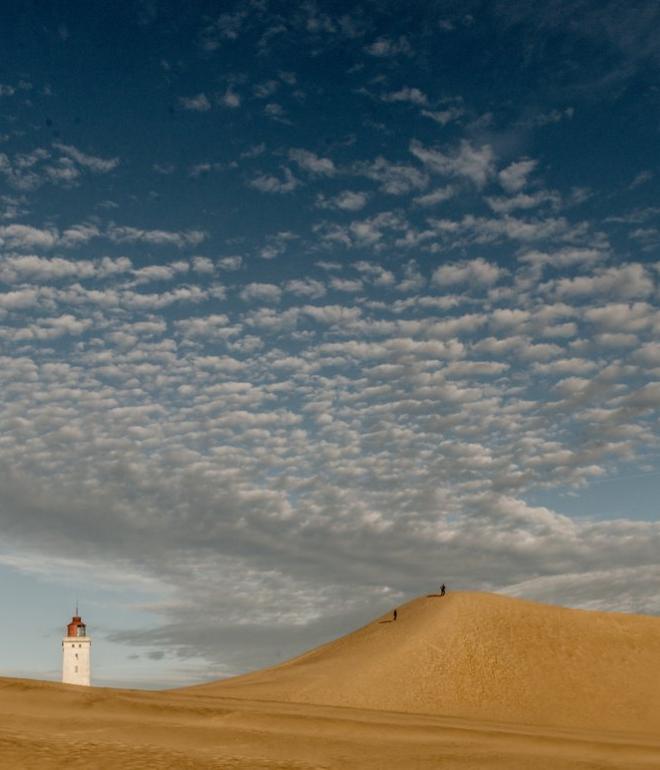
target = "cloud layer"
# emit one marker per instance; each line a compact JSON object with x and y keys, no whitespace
{"x":339,"y":333}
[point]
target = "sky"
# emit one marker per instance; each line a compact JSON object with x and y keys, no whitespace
{"x":306,"y":308}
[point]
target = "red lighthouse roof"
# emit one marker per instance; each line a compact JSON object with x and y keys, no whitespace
{"x":76,"y":627}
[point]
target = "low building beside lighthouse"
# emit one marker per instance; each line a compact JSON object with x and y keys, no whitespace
{"x":76,"y":649}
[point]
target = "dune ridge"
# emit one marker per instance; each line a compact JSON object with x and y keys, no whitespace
{"x":480,"y":656}
{"x":468,"y":682}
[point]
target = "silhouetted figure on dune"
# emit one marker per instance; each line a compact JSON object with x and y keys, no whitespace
{"x":442,"y":590}
{"x":394,"y":615}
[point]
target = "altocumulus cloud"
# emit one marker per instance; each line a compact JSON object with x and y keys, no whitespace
{"x":307,"y":355}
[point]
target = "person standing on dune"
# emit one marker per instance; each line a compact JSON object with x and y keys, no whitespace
{"x":394,"y":615}
{"x":442,"y":590}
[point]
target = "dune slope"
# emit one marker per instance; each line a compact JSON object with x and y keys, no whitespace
{"x":482,"y":656}
{"x":47,"y":726}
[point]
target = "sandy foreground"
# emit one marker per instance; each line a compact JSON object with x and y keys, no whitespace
{"x":574,"y":690}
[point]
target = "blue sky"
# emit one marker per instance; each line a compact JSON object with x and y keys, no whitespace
{"x":306,"y":308}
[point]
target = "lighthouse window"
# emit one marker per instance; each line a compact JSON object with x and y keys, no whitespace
{"x":76,"y":656}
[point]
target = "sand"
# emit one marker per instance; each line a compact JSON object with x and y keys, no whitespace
{"x":469,"y":681}
{"x":482,"y":656}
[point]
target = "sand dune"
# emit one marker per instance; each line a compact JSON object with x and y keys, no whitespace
{"x":482,"y":656}
{"x":45,"y":726}
{"x":467,"y":682}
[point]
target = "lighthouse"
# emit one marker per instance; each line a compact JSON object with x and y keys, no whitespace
{"x":76,"y":648}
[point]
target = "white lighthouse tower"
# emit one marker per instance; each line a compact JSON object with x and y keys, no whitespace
{"x":76,"y":648}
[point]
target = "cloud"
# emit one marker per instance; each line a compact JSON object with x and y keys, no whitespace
{"x":164,"y":168}
{"x":79,"y":235}
{"x":386,"y":47}
{"x":439,"y":195}
{"x":289,"y":409}
{"x":29,"y":171}
{"x":623,"y":316}
{"x":91,"y":162}
{"x":648,"y":354}
{"x":181,"y":239}
{"x":230,"y":98}
{"x":211,"y":326}
{"x":203,"y":265}
{"x":249,"y":433}
{"x":276,"y":112}
{"x":490,"y":230}
{"x":444,"y":117}
{"x":406,"y":94}
{"x":570,"y":256}
{"x":160,"y":272}
{"x":474,"y":271}
{"x":474,"y":163}
{"x":54,"y":327}
{"x":346,"y":284}
{"x":371,"y":230}
{"x":307,"y":287}
{"x":312,"y":163}
{"x":230,"y":263}
{"x":20,"y":174}
{"x":524,"y":201}
{"x":627,"y":281}
{"x":265,"y":89}
{"x":254,"y":151}
{"x":200,"y":169}
{"x":514,"y":177}
{"x":331,"y":314}
{"x":27,"y":237}
{"x":413,"y":279}
{"x":198,"y":103}
{"x":347,"y":200}
{"x":642,"y":178}
{"x":29,"y":266}
{"x":64,"y":172}
{"x":393,"y":178}
{"x":227,"y":26}
{"x":271,"y":184}
{"x":19,"y":299}
{"x":24,"y":237}
{"x":592,"y":589}
{"x":261,"y":291}
{"x":376,"y":273}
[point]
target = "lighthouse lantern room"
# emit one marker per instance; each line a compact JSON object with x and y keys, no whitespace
{"x":76,"y":648}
